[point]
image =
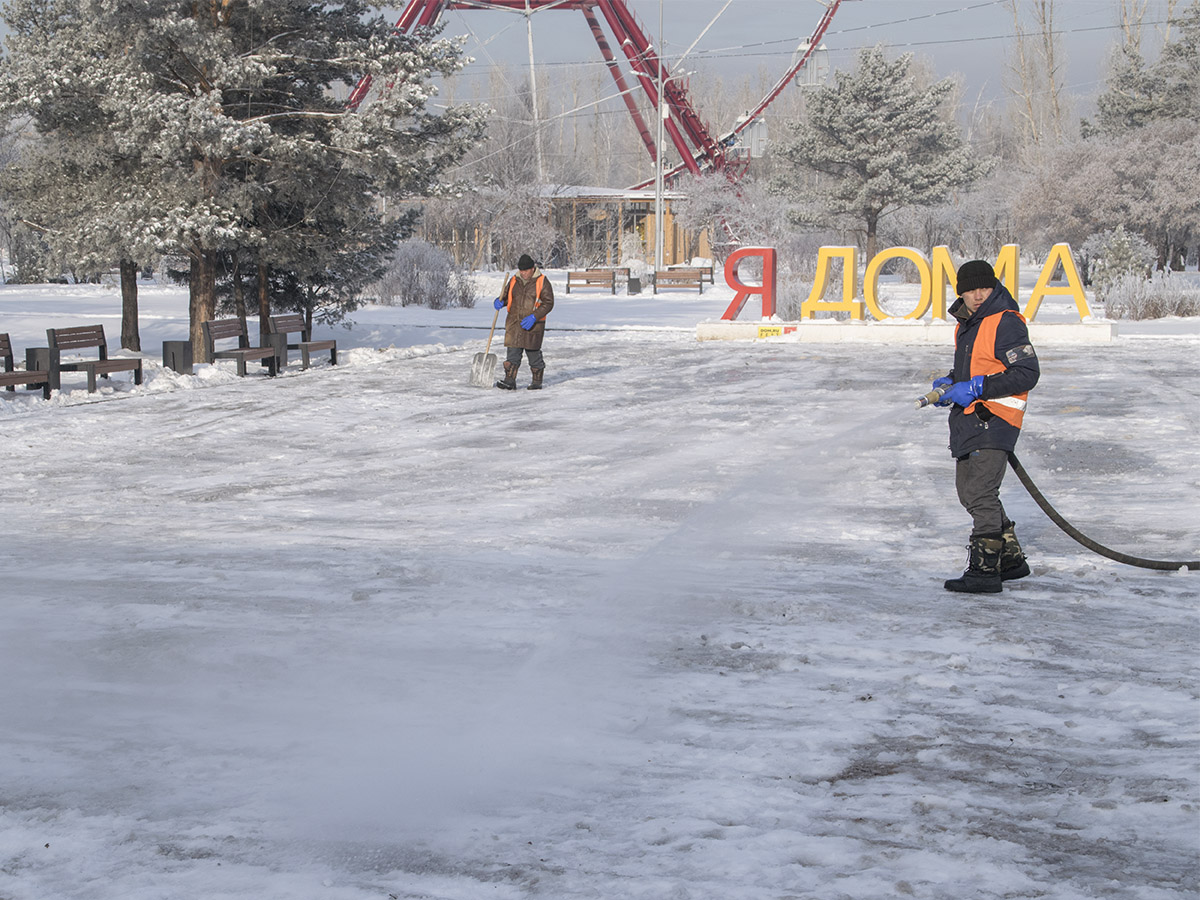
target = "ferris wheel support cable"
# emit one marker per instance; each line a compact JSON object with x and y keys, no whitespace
{"x":696,"y":147}
{"x":831,"y":7}
{"x":675,"y":94}
{"x":614,"y":69}
{"x":637,"y":49}
{"x":813,"y":40}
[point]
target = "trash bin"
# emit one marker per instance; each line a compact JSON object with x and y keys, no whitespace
{"x":37,"y":359}
{"x":177,"y":356}
{"x":278,"y":340}
{"x":635,"y":284}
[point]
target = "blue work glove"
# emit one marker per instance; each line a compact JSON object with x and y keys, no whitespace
{"x":944,"y":381}
{"x":528,"y":321}
{"x":963,"y":393}
{"x":498,"y":303}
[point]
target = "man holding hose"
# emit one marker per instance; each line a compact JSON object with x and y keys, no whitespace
{"x":994,"y":368}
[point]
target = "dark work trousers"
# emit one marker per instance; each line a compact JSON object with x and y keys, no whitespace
{"x":513,"y":355}
{"x":978,"y":478}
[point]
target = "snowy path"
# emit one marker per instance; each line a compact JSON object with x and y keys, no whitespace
{"x":673,"y":628}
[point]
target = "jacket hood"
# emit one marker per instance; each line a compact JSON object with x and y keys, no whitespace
{"x":998,"y":301}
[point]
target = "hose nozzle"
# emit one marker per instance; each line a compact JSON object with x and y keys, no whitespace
{"x":932,"y":397}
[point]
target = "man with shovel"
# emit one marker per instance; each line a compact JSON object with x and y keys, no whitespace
{"x":529,"y":298}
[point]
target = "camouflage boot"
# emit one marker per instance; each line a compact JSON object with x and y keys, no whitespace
{"x":1012,"y":558}
{"x":536,"y":383}
{"x":509,"y":381}
{"x":983,"y":567}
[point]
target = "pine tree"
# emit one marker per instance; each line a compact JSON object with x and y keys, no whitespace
{"x":878,"y":143}
{"x":1140,"y":93}
{"x":214,"y":127}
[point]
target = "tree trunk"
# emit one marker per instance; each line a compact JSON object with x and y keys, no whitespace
{"x":239,"y":294}
{"x":872,"y":235}
{"x":130,"y":339}
{"x":202,"y":292}
{"x":264,"y":298}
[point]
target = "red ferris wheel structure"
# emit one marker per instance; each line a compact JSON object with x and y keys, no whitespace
{"x":698,"y":149}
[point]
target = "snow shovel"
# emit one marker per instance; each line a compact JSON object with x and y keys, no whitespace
{"x":483,"y":366}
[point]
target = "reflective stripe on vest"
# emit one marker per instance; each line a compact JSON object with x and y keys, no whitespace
{"x":537,"y":291}
{"x":984,"y":362}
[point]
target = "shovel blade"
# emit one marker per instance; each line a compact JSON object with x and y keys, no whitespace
{"x":483,"y":369}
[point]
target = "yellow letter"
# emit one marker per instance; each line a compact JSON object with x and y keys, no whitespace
{"x":816,"y":301}
{"x":1008,"y":269}
{"x":871,"y":280}
{"x":943,"y":272}
{"x":1059,"y":253}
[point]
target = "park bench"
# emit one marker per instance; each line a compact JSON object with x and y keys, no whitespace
{"x":10,"y":377}
{"x":227,"y":329}
{"x":86,"y":337}
{"x":588,"y":277}
{"x":705,"y":272}
{"x":292,"y":323}
{"x":689,"y":278}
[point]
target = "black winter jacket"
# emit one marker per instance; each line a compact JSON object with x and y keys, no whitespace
{"x":981,"y":430}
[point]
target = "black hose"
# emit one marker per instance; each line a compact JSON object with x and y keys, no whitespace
{"x":1073,"y":532}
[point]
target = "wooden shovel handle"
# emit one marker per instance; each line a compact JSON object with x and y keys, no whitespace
{"x":494,"y":320}
{"x":493,"y":331}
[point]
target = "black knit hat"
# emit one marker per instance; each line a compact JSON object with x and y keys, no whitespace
{"x":975,"y":274}
{"x":526,"y":262}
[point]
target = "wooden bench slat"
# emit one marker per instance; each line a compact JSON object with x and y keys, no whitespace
{"x":593,"y":276}
{"x":82,"y":337}
{"x":291,"y":323}
{"x":679,"y":278}
{"x":12,"y":376}
{"x":225,"y":329}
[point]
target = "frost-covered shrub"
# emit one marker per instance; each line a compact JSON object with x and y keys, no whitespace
{"x":421,"y":274}
{"x":1133,"y":296}
{"x":632,"y":251}
{"x":1120,"y":263}
{"x":1115,"y":256}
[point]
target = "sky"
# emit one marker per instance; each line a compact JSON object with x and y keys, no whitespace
{"x":960,"y":37}
{"x":672,"y":627}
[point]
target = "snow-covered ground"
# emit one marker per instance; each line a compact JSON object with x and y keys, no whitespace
{"x":672,"y":628}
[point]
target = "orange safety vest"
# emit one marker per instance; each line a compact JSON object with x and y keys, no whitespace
{"x":537,"y":291}
{"x":984,"y":362}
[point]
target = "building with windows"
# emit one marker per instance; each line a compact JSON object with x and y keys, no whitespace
{"x":595,"y":222}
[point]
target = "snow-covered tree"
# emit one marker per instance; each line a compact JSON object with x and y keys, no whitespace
{"x":877,"y":142}
{"x":1144,"y":180}
{"x":216,"y":128}
{"x":1140,"y":93}
{"x":1115,"y":255}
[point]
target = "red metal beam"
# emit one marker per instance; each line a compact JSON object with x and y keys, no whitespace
{"x":695,"y":145}
{"x":644,"y":63}
{"x":675,"y":93}
{"x":619,"y":78}
{"x":813,"y":40}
